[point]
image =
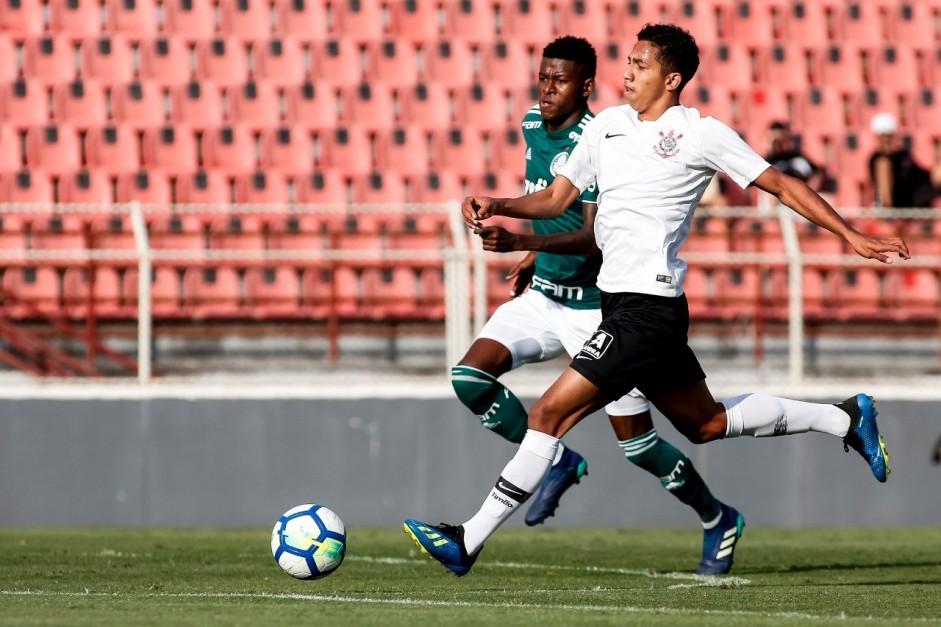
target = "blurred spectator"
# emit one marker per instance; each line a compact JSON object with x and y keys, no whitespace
{"x":897,"y":181}
{"x":785,"y":157}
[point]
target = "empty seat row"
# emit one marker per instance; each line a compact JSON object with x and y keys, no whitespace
{"x":153,"y":187}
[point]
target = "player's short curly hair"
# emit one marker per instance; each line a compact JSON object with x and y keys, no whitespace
{"x":677,"y":49}
{"x":576,"y":49}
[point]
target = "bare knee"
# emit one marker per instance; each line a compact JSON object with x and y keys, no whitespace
{"x":702,"y":432}
{"x":546,"y":416}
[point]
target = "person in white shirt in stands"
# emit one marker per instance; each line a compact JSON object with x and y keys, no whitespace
{"x":651,"y":159}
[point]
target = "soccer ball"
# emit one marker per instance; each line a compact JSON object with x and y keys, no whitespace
{"x":309,"y":541}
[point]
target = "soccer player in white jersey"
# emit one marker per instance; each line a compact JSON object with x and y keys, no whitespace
{"x":561,"y":310}
{"x":651,"y":160}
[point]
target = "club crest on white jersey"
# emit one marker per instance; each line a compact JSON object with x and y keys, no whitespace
{"x":669,"y":144}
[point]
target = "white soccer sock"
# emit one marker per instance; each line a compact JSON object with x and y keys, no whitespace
{"x":763,"y":415}
{"x":521,"y":477}
{"x":558,"y":453}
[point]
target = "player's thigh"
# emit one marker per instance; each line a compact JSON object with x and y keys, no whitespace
{"x":569,"y":399}
{"x":524,"y":326}
{"x":694,"y":412}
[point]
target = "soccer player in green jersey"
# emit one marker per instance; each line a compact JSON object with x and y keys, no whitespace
{"x":562,"y":309}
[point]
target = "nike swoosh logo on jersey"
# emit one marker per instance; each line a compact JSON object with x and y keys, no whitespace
{"x":610,"y":135}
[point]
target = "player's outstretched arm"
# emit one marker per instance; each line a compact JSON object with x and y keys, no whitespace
{"x":795,"y":194}
{"x":580,"y":242}
{"x":547,"y":203}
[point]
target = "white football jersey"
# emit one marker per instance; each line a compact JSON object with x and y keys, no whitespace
{"x":650,"y":177}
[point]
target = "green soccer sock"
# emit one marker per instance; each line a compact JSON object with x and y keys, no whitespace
{"x":676,"y":472}
{"x":498,"y":408}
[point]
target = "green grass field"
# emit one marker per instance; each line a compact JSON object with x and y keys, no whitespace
{"x":558,"y":576}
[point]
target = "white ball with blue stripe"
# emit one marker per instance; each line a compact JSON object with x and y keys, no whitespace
{"x":309,"y":541}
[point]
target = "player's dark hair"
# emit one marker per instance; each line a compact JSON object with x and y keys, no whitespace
{"x":575,"y":49}
{"x":677,"y":49}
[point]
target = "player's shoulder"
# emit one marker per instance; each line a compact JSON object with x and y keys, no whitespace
{"x":532,"y":119}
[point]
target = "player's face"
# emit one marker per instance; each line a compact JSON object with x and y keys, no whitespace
{"x":563,"y":92}
{"x":644,"y":80}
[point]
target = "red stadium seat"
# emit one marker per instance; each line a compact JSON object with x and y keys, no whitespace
{"x":76,"y":19}
{"x":200,"y":187}
{"x":369,"y":106}
{"x":37,"y":286}
{"x":280,"y":62}
{"x":825,"y":109}
{"x":321,"y":187}
{"x":25,"y":103}
{"x":137,"y":19}
{"x":856,"y":293}
{"x":261,"y":188}
{"x":913,"y":23}
{"x":507,"y":149}
{"x":138,"y":105}
{"x":21,"y":19}
{"x":166,"y":61}
{"x":787,"y":65}
{"x":426,"y":106}
{"x":54,"y":149}
{"x":190,"y":20}
{"x":230,"y":148}
{"x":379,"y":188}
{"x":482,"y":106}
{"x":584,"y":18}
{"x":254,"y":105}
{"x":842,"y":67}
{"x":449,"y":63}
{"x":403,"y":150}
{"x":304,"y":19}
{"x":474,"y":22}
{"x":11,"y":158}
{"x":498,"y":184}
{"x":212,"y":291}
{"x":359,"y":21}
{"x":872,"y":101}
{"x":730,"y":65}
{"x":286,"y":149}
{"x":273,"y":292}
{"x":50,"y":60}
{"x":414,"y":21}
{"x":337,"y":62}
{"x":391,"y":292}
{"x":346,"y":148}
{"x":704,"y":19}
{"x":720,"y":103}
{"x":248,"y":20}
{"x":223,"y":60}
{"x":391,"y":62}
{"x":149,"y":187}
{"x":26,"y":186}
{"x":808,"y":23}
{"x":860,"y":22}
{"x":196,"y":104}
{"x":90,"y":187}
{"x":435,"y":187}
{"x":112,"y":149}
{"x":605,"y":96}
{"x":755,"y":23}
{"x":896,"y":68}
{"x":927,"y":111}
{"x":708,"y":235}
{"x":8,"y":63}
{"x":312,"y":106}
{"x":914,"y":293}
{"x":80,"y":103}
{"x":769,"y":104}
{"x":171,"y":149}
{"x":108,"y":59}
{"x":460,"y":150}
{"x":506,"y":64}
{"x":525,"y":21}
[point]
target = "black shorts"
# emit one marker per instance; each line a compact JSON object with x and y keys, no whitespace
{"x":642,"y":342}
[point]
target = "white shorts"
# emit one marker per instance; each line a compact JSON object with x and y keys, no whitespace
{"x":535,"y":328}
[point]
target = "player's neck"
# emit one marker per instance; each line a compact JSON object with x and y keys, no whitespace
{"x":567,"y":122}
{"x":657,"y":109}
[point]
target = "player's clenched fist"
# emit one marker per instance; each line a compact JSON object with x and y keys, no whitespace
{"x":475,"y":209}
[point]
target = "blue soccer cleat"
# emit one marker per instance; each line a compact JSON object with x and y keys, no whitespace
{"x":569,"y":471}
{"x":444,"y":543}
{"x":718,"y":543}
{"x":863,"y":435}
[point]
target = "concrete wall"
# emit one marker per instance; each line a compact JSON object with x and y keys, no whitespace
{"x":168,"y":461}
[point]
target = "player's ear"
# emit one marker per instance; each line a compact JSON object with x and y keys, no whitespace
{"x":673,"y":81}
{"x":588,"y":87}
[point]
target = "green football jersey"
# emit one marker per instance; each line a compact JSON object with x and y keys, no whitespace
{"x":567,"y":279}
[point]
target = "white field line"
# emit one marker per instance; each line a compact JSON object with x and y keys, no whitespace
{"x":406,"y":602}
{"x":701,"y":580}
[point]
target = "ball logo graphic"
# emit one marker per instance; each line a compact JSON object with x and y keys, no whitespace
{"x":309,"y":541}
